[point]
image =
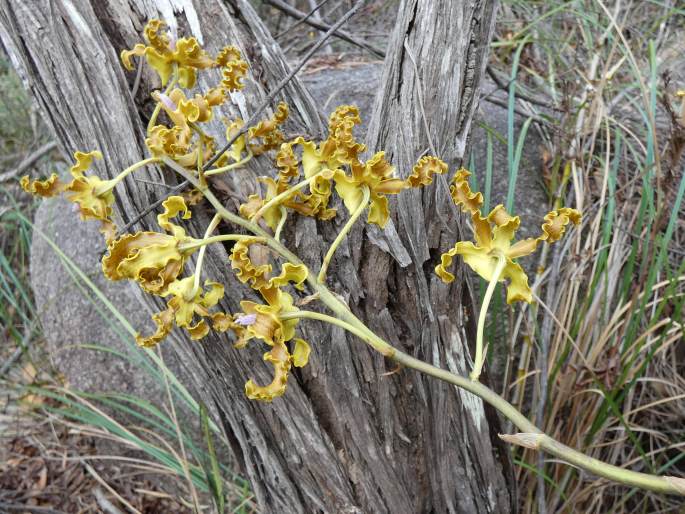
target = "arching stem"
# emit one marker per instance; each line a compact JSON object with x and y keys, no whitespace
{"x":532,"y":436}
{"x":479,"y":359}
{"x":228,"y":167}
{"x":366,"y":193}
{"x":201,"y":256}
{"x":199,"y":243}
{"x":281,"y":223}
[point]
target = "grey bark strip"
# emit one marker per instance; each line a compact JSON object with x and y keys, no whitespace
{"x":345,"y":438}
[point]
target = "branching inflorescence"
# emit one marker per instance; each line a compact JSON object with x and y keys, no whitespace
{"x":309,"y":174}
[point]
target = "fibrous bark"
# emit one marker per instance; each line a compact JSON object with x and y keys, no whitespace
{"x":347,"y":437}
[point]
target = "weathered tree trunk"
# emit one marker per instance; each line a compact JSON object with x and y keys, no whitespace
{"x":346,"y":437}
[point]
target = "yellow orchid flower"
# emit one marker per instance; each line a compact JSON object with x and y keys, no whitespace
{"x":492,"y":256}
{"x":152,"y":259}
{"x":263,"y":321}
{"x":93,"y":195}
{"x":493,"y":250}
{"x":379,"y":177}
{"x":186,"y":302}
{"x":163,"y":53}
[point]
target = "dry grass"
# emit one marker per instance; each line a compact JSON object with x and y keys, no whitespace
{"x":597,"y":361}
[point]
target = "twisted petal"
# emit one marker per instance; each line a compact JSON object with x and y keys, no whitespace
{"x":301,"y":353}
{"x":150,"y":258}
{"x":245,"y":270}
{"x":462,"y":195}
{"x":233,"y":68}
{"x":138,"y":51}
{"x":84,"y":160}
{"x":287,"y":163}
{"x":552,"y":230}
{"x":165,"y":322}
{"x":46,"y":188}
{"x":279,"y":357}
{"x":378,"y":210}
{"x":172,"y":207}
{"x":423,"y":171}
{"x":518,"y":289}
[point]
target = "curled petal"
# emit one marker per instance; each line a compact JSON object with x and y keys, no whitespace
{"x":502,"y":235}
{"x":198,"y":331}
{"x":552,"y":230}
{"x":476,"y":257}
{"x":92,"y":204}
{"x":172,"y":207}
{"x":445,"y":262}
{"x":227,"y":55}
{"x":301,"y":353}
{"x":556,"y":221}
{"x":189,"y":53}
{"x":150,"y":258}
{"x":165,"y":322}
{"x":84,"y":160}
{"x":234,"y":69}
{"x":279,"y":357}
{"x":268,"y":132}
{"x":137,"y":51}
{"x":287,"y":163}
{"x":265,"y":127}
{"x":517,"y":289}
{"x":378,"y":210}
{"x":46,"y":188}
{"x":245,"y":270}
{"x":290,"y":273}
{"x":156,"y":34}
{"x":422,"y":174}
{"x":462,"y":195}
{"x":499,"y":216}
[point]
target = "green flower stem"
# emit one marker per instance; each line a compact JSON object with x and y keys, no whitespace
{"x":366,"y":194}
{"x":199,"y":243}
{"x":479,"y":359}
{"x":531,"y":436}
{"x":110,"y":184}
{"x":281,"y":223}
{"x":236,"y":164}
{"x":280,"y":198}
{"x":201,"y":256}
{"x":344,"y":318}
{"x":158,"y":107}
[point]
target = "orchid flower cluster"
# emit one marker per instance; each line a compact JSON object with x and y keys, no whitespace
{"x":309,"y":176}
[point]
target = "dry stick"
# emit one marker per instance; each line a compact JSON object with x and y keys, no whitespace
{"x":530,"y":437}
{"x":504,"y":85}
{"x":267,"y":101}
{"x":28,"y":162}
{"x":321,"y":25}
{"x":301,"y":20}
